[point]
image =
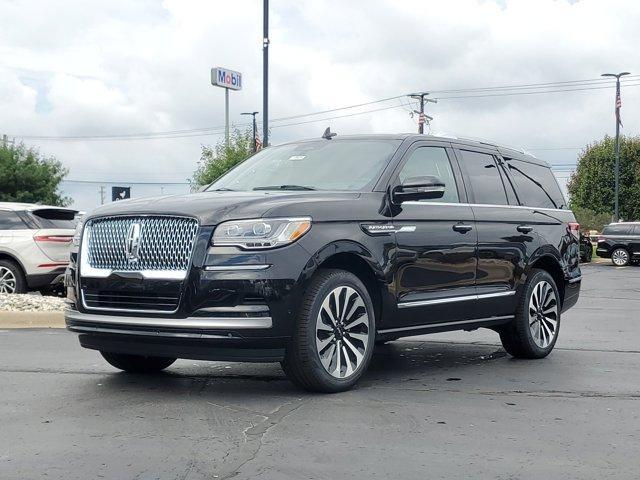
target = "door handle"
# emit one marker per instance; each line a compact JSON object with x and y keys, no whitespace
{"x":462,"y":228}
{"x":524,"y":228}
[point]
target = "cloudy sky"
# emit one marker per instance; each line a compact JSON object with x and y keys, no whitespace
{"x":77,"y":68}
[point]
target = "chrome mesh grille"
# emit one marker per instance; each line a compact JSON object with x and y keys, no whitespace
{"x":166,"y":243}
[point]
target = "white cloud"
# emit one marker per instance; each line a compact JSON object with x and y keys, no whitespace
{"x":112,"y":67}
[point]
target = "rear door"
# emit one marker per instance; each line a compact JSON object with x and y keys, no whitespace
{"x":436,"y":242}
{"x":506,"y":232}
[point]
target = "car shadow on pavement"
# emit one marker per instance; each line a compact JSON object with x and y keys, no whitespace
{"x":392,"y":363}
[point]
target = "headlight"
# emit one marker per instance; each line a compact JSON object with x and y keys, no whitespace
{"x":261,"y":232}
{"x":77,"y":235}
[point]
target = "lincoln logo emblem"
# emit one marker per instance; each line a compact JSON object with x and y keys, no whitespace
{"x":132,"y":244}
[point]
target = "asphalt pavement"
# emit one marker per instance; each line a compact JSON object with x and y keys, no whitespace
{"x":450,"y":405}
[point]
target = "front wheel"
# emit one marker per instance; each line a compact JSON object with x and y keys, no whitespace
{"x":534,"y":330}
{"x":137,"y":363}
{"x":333,"y":340}
{"x":620,"y":257}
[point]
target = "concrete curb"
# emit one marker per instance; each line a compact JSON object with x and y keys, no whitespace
{"x":32,"y":320}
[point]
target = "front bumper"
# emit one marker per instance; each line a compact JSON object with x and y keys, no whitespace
{"x":199,"y":338}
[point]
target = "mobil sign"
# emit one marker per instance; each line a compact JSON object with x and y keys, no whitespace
{"x":223,"y":77}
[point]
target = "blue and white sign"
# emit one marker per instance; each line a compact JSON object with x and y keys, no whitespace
{"x":223,"y":77}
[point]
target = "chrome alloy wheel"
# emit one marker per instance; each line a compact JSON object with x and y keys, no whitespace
{"x":620,"y":257}
{"x":7,"y":281}
{"x":543,"y":314}
{"x":342,"y":332}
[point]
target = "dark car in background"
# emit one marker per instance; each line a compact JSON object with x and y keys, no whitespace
{"x":309,"y":253}
{"x":620,"y":242}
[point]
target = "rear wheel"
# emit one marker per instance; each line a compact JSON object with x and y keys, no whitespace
{"x":333,"y":342}
{"x":11,"y":278}
{"x":620,"y":257}
{"x":534,"y":331}
{"x":137,"y":363}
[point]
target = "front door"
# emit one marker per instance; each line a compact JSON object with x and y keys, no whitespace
{"x":436,"y":243}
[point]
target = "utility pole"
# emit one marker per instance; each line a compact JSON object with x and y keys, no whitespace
{"x":253,"y":114}
{"x":616,"y":214}
{"x":102,"y":194}
{"x":422,"y":118}
{"x":265,"y":74}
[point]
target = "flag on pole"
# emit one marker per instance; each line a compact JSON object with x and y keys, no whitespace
{"x":618,"y":106}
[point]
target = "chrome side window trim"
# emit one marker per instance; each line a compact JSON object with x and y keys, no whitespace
{"x":437,"y":301}
{"x":487,"y":205}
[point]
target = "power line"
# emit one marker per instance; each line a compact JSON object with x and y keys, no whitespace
{"x":497,"y":91}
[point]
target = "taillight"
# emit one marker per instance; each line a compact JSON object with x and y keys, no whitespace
{"x":53,"y":238}
{"x":574,"y":227}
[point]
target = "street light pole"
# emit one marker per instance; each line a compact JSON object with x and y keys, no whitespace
{"x":616,"y":214}
{"x":265,"y":74}
{"x":253,"y":114}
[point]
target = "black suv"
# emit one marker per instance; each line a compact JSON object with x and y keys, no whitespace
{"x":311,"y":252}
{"x":620,"y":242}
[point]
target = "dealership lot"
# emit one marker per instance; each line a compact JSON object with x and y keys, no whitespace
{"x":450,"y":405}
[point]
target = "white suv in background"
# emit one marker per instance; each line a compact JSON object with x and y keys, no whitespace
{"x":34,"y":246}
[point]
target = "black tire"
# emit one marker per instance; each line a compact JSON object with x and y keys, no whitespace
{"x":19,"y":285}
{"x":137,"y":363}
{"x":517,"y":337}
{"x":620,"y":257}
{"x":587,"y":256}
{"x":302,"y":362}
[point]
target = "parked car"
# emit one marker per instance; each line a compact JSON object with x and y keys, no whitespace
{"x":309,"y":252}
{"x":620,"y":242}
{"x":35,"y":242}
{"x":586,"y":248}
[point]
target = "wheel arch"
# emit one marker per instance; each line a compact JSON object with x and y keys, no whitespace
{"x":14,"y":259}
{"x":358,"y":260}
{"x":550,"y":263}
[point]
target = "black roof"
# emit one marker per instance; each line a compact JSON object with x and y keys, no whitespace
{"x":505,"y":151}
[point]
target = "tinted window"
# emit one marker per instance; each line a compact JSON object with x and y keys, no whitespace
{"x":535,"y":184}
{"x":432,"y":161}
{"x":485,"y":179}
{"x":617,"y":230}
{"x":322,"y":165}
{"x":54,"y":218}
{"x":10,"y":221}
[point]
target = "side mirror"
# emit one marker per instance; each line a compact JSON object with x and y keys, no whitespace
{"x":418,"y":188}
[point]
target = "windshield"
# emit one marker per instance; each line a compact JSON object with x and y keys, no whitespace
{"x":350,"y":165}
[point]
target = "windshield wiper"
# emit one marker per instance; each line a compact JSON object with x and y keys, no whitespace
{"x":223,"y":189}
{"x":284,"y":187}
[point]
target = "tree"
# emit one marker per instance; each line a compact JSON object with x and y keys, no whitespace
{"x":28,"y":176}
{"x":592,"y":184}
{"x":590,"y":220}
{"x":215,"y":162}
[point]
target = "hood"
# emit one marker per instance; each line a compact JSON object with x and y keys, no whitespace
{"x":212,"y":208}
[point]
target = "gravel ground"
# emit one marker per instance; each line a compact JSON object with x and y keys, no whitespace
{"x":30,"y":303}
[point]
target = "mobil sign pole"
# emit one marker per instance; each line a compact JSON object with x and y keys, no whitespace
{"x":229,"y":80}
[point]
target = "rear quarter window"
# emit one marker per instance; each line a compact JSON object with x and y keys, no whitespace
{"x":535,"y":185}
{"x":11,"y":221}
